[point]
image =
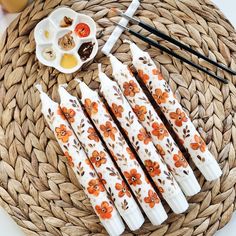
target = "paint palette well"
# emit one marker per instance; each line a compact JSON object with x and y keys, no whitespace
{"x":66,"y":40}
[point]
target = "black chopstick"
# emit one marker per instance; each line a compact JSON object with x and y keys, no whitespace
{"x":164,"y":49}
{"x":177,"y":43}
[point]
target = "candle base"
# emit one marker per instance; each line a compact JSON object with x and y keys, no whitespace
{"x":156,"y":215}
{"x":190,"y":185}
{"x":114,"y":227}
{"x":211,"y":171}
{"x":177,"y":202}
{"x":134,"y":219}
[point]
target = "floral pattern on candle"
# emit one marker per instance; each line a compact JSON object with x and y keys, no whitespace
{"x":77,"y":159}
{"x":121,"y":153}
{"x":98,"y":156}
{"x":175,"y":114}
{"x":141,"y":141}
{"x":148,"y":117}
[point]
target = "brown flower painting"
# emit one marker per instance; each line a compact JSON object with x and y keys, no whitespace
{"x":198,"y":144}
{"x":179,"y":117}
{"x":95,"y":187}
{"x":152,"y":198}
{"x":104,"y":210}
{"x":91,"y":107}
{"x":63,"y":133}
{"x":130,"y":88}
{"x":133,"y":177}
{"x":108,"y":130}
{"x":160,"y":96}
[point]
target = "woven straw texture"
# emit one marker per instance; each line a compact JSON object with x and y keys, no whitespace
{"x":39,"y":190}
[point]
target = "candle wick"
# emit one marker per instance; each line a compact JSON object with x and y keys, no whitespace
{"x":99,"y":68}
{"x":78,"y":80}
{"x":65,"y":85}
{"x":39,"y":88}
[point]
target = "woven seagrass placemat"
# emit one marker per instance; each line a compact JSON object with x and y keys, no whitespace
{"x":39,"y":190}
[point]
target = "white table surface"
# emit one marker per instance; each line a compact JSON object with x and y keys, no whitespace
{"x":8,"y":226}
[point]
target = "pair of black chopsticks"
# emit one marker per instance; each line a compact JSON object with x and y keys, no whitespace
{"x":174,"y":41}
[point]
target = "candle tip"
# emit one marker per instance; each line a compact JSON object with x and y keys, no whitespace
{"x":127,"y":41}
{"x":117,"y":65}
{"x":136,"y":51}
{"x":61,"y":88}
{"x":114,"y":61}
{"x":45,"y":99}
{"x":63,"y":85}
{"x":64,"y":95}
{"x":84,"y":88}
{"x":78,"y":80}
{"x":110,"y":55}
{"x":99,"y":68}
{"x":39,"y":87}
{"x":103,"y":78}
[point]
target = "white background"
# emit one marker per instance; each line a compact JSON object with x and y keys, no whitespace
{"x":8,"y":226}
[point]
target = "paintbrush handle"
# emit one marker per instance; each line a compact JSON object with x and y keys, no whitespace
{"x":164,"y":49}
{"x":183,"y":46}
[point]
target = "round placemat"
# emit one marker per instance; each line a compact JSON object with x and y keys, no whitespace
{"x":39,"y":190}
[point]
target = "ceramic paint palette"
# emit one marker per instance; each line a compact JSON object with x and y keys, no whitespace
{"x":66,"y":40}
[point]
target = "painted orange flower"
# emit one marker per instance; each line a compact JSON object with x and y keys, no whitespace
{"x":160,"y":150}
{"x":143,"y":136}
{"x":108,"y":130}
{"x":180,"y":160}
{"x":69,"y":159}
{"x":152,"y":167}
{"x":123,"y":189}
{"x":152,"y":198}
{"x":179,"y":117}
{"x":199,"y":144}
{"x":93,"y":134}
{"x":133,"y":177}
{"x":95,"y":187}
{"x":117,"y":110}
{"x":69,"y":114}
{"x":160,"y":97}
{"x":143,"y":76}
{"x":131,"y":154}
{"x":91,"y":107}
{"x":105,"y":210}
{"x":62,"y":133}
{"x":154,"y":71}
{"x":98,"y":158}
{"x":158,"y":73}
{"x":159,"y":130}
{"x":130,"y":88}
{"x":140,"y":111}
